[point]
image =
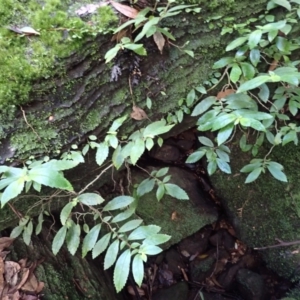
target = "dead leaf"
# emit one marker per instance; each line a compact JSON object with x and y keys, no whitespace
{"x":29,"y":31}
{"x":31,"y":285}
{"x":131,"y":291}
{"x":11,"y":272}
{"x":273,"y":65}
{"x":5,"y":242}
{"x":1,"y":274}
{"x":223,"y":94}
{"x":138,"y":113}
{"x":25,"y":274}
{"x":159,"y":41}
{"x":126,"y":10}
{"x":119,"y":35}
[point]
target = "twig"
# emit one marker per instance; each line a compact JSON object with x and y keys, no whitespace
{"x":281,"y":244}
{"x":93,"y":181}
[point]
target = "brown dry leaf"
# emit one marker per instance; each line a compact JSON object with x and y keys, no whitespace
{"x":40,"y":287}
{"x":174,"y":216}
{"x":25,"y":274}
{"x":131,"y":291}
{"x":119,"y":35}
{"x":31,"y":285}
{"x":22,"y":262}
{"x":1,"y":275}
{"x":138,"y":113}
{"x":5,"y":242}
{"x":159,"y":41}
{"x":223,"y":94}
{"x":126,"y":10}
{"x":3,"y":254}
{"x":11,"y":272}
{"x":273,"y":65}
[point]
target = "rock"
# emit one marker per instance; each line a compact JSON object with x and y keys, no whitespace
{"x":222,"y":238}
{"x":175,"y":262}
{"x":251,"y":285}
{"x":177,"y":291}
{"x":166,"y":153}
{"x":266,"y":209}
{"x":178,"y":218}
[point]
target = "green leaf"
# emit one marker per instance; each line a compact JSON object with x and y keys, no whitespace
{"x":27,"y":232}
{"x":118,"y":202}
{"x":206,"y":141}
{"x":117,"y":123}
{"x":73,"y":237}
{"x":101,"y":245}
{"x":176,"y":192}
{"x":235,"y":73}
{"x":12,"y":190}
{"x":138,"y":269}
{"x":223,"y":62}
{"x":211,"y":167}
{"x":50,"y":178}
{"x":156,"y":128}
{"x":143,"y":232}
{"x":102,"y":153}
{"x":250,"y":167}
{"x":16,"y":231}
{"x":223,"y":155}
{"x":248,"y":70}
{"x":289,"y":137}
{"x":236,"y":43}
{"x":254,"y":57}
{"x":264,"y":93}
{"x":111,"y":254}
{"x":59,"y":239}
{"x":223,"y":166}
{"x":190,"y":98}
{"x":137,"y":150}
{"x":201,"y":89}
{"x":277,"y":173}
{"x":223,"y":120}
{"x":65,"y":212}
{"x":130,"y":225}
{"x":118,"y":158}
{"x":111,"y":53}
{"x":160,"y":191}
{"x":121,"y":270}
{"x":149,"y":103}
{"x":149,"y":144}
{"x":157,"y":239}
{"x":150,"y":249}
{"x":38,"y":228}
{"x":90,"y":199}
{"x":253,"y":83}
{"x":253,"y":175}
{"x":224,"y":134}
{"x":195,"y":156}
{"x":204,"y":105}
{"x":146,"y":28}
{"x":257,"y":125}
{"x":254,"y":38}
{"x":162,"y":172}
{"x":282,"y":44}
{"x":112,"y":140}
{"x":124,"y":215}
{"x":145,"y":187}
{"x":90,"y":239}
{"x":284,"y":3}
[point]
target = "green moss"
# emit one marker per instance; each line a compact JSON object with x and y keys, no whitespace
{"x":25,"y":59}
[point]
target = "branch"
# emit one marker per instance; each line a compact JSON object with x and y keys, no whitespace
{"x":281,"y":244}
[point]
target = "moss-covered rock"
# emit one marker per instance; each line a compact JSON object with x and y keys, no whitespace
{"x":266,"y":209}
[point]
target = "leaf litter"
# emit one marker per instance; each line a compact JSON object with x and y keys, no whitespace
{"x":17,"y":280}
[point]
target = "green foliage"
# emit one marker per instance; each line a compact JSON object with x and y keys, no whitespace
{"x":246,"y":104}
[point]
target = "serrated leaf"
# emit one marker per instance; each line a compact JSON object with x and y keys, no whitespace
{"x":65,"y":213}
{"x":223,"y":166}
{"x":90,"y":199}
{"x":138,"y":269}
{"x":101,"y":153}
{"x":50,"y":178}
{"x":90,"y":239}
{"x":12,"y":190}
{"x":111,"y":254}
{"x":211,"y":167}
{"x":143,"y":232}
{"x":145,"y":187}
{"x":59,"y":239}
{"x":277,"y":173}
{"x":124,"y":215}
{"x":118,"y":202}
{"x":16,"y":231}
{"x":130,"y":225}
{"x":195,"y":156}
{"x":160,"y":191}
{"x":176,"y":192}
{"x":253,"y":175}
{"x":101,"y":245}
{"x":150,"y":249}
{"x":162,"y":172}
{"x":73,"y":237}
{"x":224,"y":134}
{"x":137,"y":150}
{"x":157,"y":239}
{"x":236,"y":43}
{"x":206,"y":141}
{"x":121,"y":270}
{"x":156,"y":128}
{"x":27,"y":232}
{"x":204,"y":105}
